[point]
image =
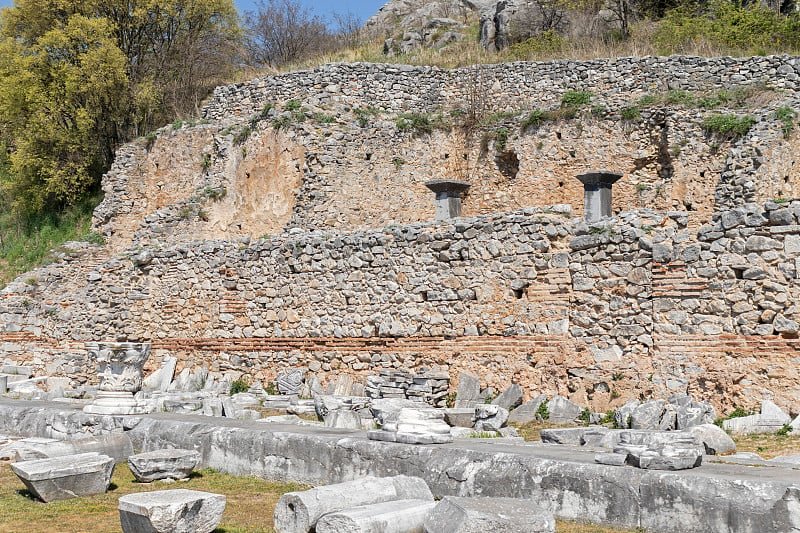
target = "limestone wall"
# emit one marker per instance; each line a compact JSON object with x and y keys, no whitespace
{"x":635,"y":306}
{"x":401,"y":88}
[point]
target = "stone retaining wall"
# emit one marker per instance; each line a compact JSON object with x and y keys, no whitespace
{"x":601,"y":313}
{"x":403,"y":88}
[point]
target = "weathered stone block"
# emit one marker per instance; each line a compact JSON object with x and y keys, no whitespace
{"x":163,"y":464}
{"x":399,"y":516}
{"x":299,"y":512}
{"x":482,"y":515}
{"x":527,"y":412}
{"x":510,"y":398}
{"x":115,"y":445}
{"x":65,"y":477}
{"x":171,"y":511}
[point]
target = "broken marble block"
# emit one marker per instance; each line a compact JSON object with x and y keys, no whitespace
{"x":469,"y":390}
{"x":675,"y":455}
{"x":115,"y":445}
{"x":460,"y":417}
{"x":171,"y":511}
{"x":343,"y":420}
{"x":291,"y":382}
{"x":563,"y":411}
{"x":384,"y":409}
{"x":163,"y":464}
{"x":397,"y":516}
{"x":65,"y":477}
{"x":528,"y":411}
{"x":482,"y":515}
{"x":299,"y":512}
{"x":490,"y":417}
{"x":771,"y":419}
{"x":415,"y":426}
{"x":510,"y":398}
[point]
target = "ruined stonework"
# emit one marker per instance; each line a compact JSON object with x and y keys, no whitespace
{"x":266,"y":238}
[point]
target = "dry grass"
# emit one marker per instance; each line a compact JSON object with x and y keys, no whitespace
{"x":573,"y":527}
{"x":768,"y":446}
{"x":250,"y":503}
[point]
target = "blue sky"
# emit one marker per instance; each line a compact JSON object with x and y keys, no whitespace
{"x":363,"y":9}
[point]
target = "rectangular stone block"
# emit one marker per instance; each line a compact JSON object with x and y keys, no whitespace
{"x":171,"y":511}
{"x":70,"y":476}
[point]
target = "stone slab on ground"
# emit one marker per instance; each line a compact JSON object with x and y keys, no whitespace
{"x":115,"y":445}
{"x":163,"y":464}
{"x":483,"y":515}
{"x":171,"y":511}
{"x":397,"y":516}
{"x":591,"y":435}
{"x":65,"y":477}
{"x":298,"y":512}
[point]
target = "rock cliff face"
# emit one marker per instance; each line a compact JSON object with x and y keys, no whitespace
{"x":291,"y":228}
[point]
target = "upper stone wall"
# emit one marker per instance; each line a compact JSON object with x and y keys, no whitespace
{"x":403,"y":88}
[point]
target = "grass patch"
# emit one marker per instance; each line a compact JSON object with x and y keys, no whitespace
{"x":786,"y":115}
{"x":728,"y":126}
{"x":575,"y":527}
{"x":27,"y":244}
{"x":250,"y":503}
{"x":768,"y":446}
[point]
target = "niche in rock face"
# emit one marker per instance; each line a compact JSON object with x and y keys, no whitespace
{"x":507,"y":163}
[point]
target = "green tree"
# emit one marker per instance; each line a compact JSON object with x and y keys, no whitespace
{"x":80,"y":76}
{"x":63,"y":98}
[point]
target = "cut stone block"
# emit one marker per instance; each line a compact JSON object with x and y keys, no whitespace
{"x":714,"y":439}
{"x":171,"y":511}
{"x":527,"y":412}
{"x":573,"y":436}
{"x":510,"y":398}
{"x":469,"y":390}
{"x":163,"y":464}
{"x":490,"y":417}
{"x":415,"y":426}
{"x":563,"y":411}
{"x":384,"y":409}
{"x":298,"y":512}
{"x":8,"y":452}
{"x":399,"y":516}
{"x":483,"y":515}
{"x":70,"y":476}
{"x":343,"y":420}
{"x":115,"y":445}
{"x":460,"y":417}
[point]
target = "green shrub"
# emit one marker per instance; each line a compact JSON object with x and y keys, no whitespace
{"x":282,"y":122}
{"x":323,"y":118}
{"x":242,"y":136}
{"x":292,"y":105}
{"x":238,"y":386}
{"x":752,"y":30}
{"x":363,"y":115}
{"x":543,"y":412}
{"x":205,"y":164}
{"x":534,"y":118}
{"x":418,"y":122}
{"x":731,"y":126}
{"x":678,"y":97}
{"x":630,"y":113}
{"x":786,"y":115}
{"x":547,"y":42}
{"x":500,"y":139}
{"x":575,"y":99}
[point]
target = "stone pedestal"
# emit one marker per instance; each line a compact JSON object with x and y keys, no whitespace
{"x":120,"y":370}
{"x":448,"y":197}
{"x":597,"y":193}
